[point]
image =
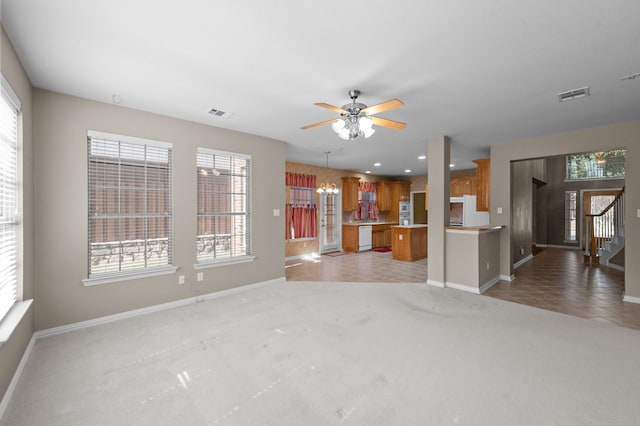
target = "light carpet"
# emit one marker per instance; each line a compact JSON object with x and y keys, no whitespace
{"x":311,"y":353}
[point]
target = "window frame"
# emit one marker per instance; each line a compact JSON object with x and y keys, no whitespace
{"x":593,"y":165}
{"x":10,"y":206}
{"x":245,"y":194}
{"x":567,"y":216}
{"x":96,"y":278}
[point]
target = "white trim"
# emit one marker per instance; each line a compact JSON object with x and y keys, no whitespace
{"x":203,"y":150}
{"x":128,"y":139}
{"x":560,"y":246}
{"x":631,"y":299}
{"x":507,"y":277}
{"x":150,"y":309}
{"x":486,"y":286}
{"x":462,"y":287}
{"x":16,"y":376}
{"x":474,"y":231}
{"x":436,"y":283}
{"x":227,"y":261}
{"x":126,"y":276}
{"x":10,"y":93}
{"x":521,"y":262}
{"x":11,"y":320}
{"x":614,"y":266}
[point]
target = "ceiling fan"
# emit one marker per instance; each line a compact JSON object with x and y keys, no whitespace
{"x":355,"y":118}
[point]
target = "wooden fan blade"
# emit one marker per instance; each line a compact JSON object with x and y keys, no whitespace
{"x":388,"y":123}
{"x":309,"y":126}
{"x":331,"y":107}
{"x":384,"y":106}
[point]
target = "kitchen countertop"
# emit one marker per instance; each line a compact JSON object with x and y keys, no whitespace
{"x":369,"y":223}
{"x":418,"y":225}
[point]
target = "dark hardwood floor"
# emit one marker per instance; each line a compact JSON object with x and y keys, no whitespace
{"x":559,"y":280}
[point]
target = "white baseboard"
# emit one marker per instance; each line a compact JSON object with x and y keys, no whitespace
{"x":149,"y":309}
{"x":614,"y":266}
{"x":521,"y":262}
{"x":435,"y":283}
{"x":462,"y":287}
{"x":631,"y":299}
{"x":507,"y":277}
{"x":486,"y":286}
{"x":16,"y":376}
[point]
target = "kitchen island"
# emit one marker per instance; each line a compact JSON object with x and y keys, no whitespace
{"x":409,"y":242}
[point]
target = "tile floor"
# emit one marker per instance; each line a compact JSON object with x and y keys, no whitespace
{"x":555,"y":279}
{"x":369,"y":266}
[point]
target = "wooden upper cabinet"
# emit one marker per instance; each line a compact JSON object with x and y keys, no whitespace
{"x":404,"y":190}
{"x":383,"y":196}
{"x":350,"y":187}
{"x":483,"y":180}
{"x":462,"y":185}
{"x":426,"y":197}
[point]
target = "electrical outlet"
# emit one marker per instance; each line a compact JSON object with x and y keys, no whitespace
{"x":181,"y":279}
{"x":400,"y":237}
{"x":499,"y":210}
{"x":200,"y":276}
{"x":488,"y":266}
{"x":521,"y":250}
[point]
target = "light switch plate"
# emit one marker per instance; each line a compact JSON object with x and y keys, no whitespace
{"x":200,"y":276}
{"x":276,"y":212}
{"x":499,"y":210}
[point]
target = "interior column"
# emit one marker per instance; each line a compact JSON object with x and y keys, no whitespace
{"x":438,"y":158}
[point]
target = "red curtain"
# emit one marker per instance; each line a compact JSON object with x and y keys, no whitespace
{"x":367,"y":187}
{"x":298,"y":179}
{"x":300,"y":222}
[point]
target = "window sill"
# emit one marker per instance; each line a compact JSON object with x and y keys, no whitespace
{"x":10,"y":322}
{"x":225,"y":262}
{"x":126,"y":276}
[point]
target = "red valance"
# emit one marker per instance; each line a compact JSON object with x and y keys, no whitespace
{"x":298,"y":179}
{"x":367,"y":187}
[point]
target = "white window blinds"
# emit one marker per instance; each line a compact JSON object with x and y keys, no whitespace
{"x":224,"y":212}
{"x":9,"y":108}
{"x":130,"y":215}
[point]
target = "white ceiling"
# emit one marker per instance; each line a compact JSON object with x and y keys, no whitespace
{"x":481,"y":72}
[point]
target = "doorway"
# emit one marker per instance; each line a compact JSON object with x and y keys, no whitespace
{"x":330,"y":223}
{"x":418,"y":209}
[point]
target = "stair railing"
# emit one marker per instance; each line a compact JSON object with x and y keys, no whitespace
{"x":603,"y":226}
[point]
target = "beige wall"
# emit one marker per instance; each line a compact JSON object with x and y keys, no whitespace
{"x":11,"y":352}
{"x":468,"y":255}
{"x":597,"y":139}
{"x":60,"y":133}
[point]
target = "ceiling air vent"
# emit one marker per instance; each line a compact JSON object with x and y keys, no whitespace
{"x":630,"y":76}
{"x":570,"y":95}
{"x":219,"y":113}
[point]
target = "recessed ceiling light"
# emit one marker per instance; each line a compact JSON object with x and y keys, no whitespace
{"x":368,"y":171}
{"x":407,"y":171}
{"x":377,"y":164}
{"x":452,"y":165}
{"x":422,"y":157}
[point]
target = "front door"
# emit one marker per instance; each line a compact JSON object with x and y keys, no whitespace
{"x":330,"y":223}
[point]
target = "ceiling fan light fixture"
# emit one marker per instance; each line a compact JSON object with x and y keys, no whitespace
{"x":345,"y":133}
{"x":338,"y":126}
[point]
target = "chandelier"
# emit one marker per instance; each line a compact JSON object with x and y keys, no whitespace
{"x":354,"y":122}
{"x":327,"y":188}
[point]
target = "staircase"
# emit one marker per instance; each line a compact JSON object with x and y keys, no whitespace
{"x":605,"y":234}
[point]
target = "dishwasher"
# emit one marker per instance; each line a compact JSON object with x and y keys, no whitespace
{"x":364,"y":237}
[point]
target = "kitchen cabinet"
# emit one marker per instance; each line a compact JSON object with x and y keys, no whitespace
{"x":381,"y":236}
{"x":462,"y":185}
{"x":383,"y":196}
{"x":350,"y":187}
{"x":400,"y":191}
{"x":350,"y":238}
{"x":483,"y":178}
{"x":409,"y":242}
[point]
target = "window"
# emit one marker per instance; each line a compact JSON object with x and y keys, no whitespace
{"x":570,"y":216}
{"x":301,"y":214}
{"x":224,"y":212}
{"x":597,"y":165}
{"x":130,"y":219}
{"x":9,"y":108}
